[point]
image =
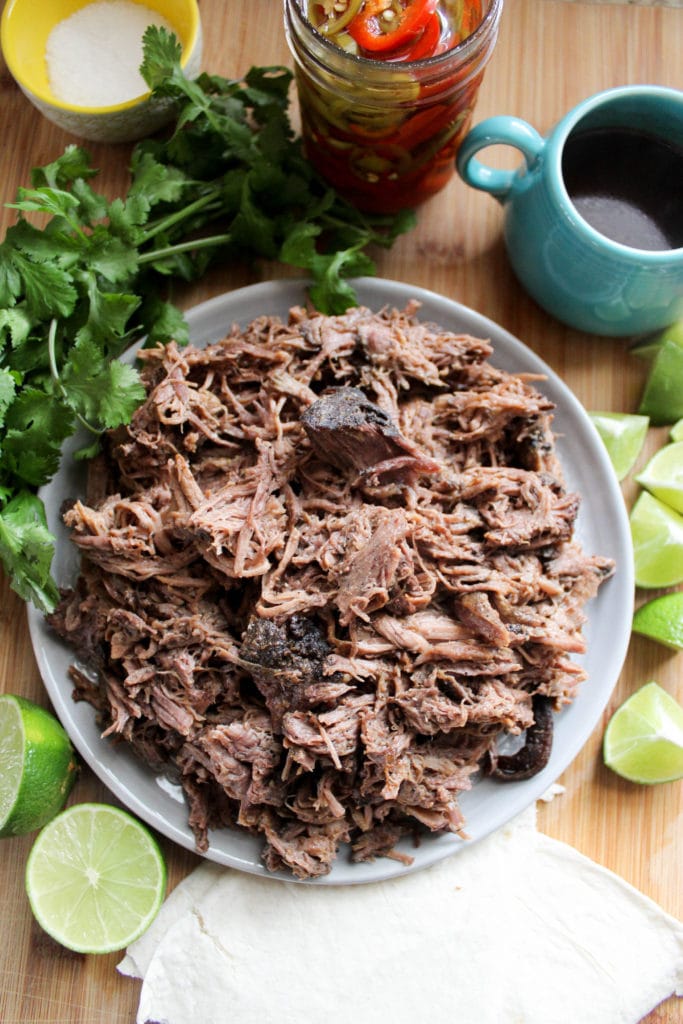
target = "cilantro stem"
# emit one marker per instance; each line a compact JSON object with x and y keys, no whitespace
{"x":196,"y":243}
{"x":54,"y":373}
{"x":164,"y":223}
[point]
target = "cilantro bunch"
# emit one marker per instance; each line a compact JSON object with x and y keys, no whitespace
{"x":90,"y":277}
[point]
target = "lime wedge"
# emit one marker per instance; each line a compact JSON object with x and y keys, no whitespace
{"x":648,"y":347}
{"x":662,"y":397}
{"x":37,"y":766}
{"x":657,"y":534}
{"x":662,"y":620}
{"x":676,"y":432}
{"x":644,"y":738}
{"x":623,"y":435}
{"x":95,"y":878}
{"x":663,"y":475}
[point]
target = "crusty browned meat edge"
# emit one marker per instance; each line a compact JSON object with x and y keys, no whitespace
{"x":328,"y":564}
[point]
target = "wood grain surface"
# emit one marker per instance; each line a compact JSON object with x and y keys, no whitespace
{"x":550,"y":55}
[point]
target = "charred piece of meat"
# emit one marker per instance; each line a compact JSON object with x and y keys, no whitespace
{"x":286,"y":662}
{"x":534,"y":755}
{"x":351,"y":432}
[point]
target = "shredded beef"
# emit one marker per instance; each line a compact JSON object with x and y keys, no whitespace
{"x":327,"y":566}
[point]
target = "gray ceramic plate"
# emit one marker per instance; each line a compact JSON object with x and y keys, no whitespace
{"x":602,"y":528}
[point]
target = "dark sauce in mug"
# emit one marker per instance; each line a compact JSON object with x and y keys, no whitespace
{"x":628,"y":185}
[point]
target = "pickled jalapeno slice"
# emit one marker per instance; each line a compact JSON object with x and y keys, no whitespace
{"x":332,"y":16}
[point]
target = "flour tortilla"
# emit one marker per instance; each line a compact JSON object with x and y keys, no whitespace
{"x":520,"y":928}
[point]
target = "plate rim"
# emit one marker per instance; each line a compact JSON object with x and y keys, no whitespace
{"x":288,"y":292}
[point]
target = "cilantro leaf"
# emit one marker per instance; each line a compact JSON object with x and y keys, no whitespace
{"x":36,"y":424}
{"x":10,"y":278}
{"x":15,"y":324}
{"x":330,"y":292}
{"x":49,"y":290}
{"x":108,"y":318}
{"x":112,"y":257}
{"x":26,"y":547}
{"x":8,"y":389}
{"x":54,"y":202}
{"x":103,"y":393}
{"x":155,"y":182}
{"x":163,"y":322}
{"x":121,"y":396}
{"x":161,"y":57}
{"x":74,"y":163}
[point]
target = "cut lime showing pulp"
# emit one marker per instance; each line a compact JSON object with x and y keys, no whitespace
{"x":623,"y":435}
{"x":644,"y":738}
{"x":662,"y":620}
{"x":37,"y":766}
{"x":657,"y":534}
{"x":676,"y":433}
{"x":663,"y":475}
{"x":95,"y":878}
{"x":662,"y":397}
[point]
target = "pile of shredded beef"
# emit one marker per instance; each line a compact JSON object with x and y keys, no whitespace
{"x":328,"y":564}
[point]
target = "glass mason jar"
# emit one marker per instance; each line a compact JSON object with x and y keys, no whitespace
{"x":384,"y":134}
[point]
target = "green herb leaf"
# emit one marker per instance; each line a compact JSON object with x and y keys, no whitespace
{"x":163,"y":323}
{"x":111,"y":257}
{"x":103,"y":393}
{"x":36,"y":425}
{"x":8,"y":389}
{"x":52,"y":201}
{"x":26,"y":547}
{"x":49,"y":291}
{"x":74,"y":163}
{"x":162,"y":53}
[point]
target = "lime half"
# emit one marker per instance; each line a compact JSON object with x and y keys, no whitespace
{"x":623,"y":435}
{"x":662,"y":620}
{"x":95,"y":878}
{"x":644,"y":738}
{"x":657,"y":535}
{"x":37,"y":766}
{"x":676,"y":433}
{"x":662,"y":398}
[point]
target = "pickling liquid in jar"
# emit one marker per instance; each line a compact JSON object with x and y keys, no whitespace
{"x":387,"y":89}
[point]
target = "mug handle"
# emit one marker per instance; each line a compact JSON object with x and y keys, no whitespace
{"x":505,"y":131}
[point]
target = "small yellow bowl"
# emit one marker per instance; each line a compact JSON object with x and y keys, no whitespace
{"x":24,"y":31}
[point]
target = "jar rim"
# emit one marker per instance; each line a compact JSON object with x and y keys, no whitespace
{"x":435,"y":63}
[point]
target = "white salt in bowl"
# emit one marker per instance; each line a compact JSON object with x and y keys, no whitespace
{"x":75,"y":74}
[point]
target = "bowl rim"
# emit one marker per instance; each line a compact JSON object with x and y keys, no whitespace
{"x":49,"y":99}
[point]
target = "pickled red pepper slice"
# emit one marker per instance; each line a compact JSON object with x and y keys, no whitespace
{"x":428,"y":43}
{"x":368,"y":32}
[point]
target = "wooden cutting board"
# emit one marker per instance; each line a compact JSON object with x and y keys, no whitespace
{"x":550,"y":55}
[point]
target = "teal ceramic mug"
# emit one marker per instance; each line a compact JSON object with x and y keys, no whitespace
{"x":593,"y":221}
